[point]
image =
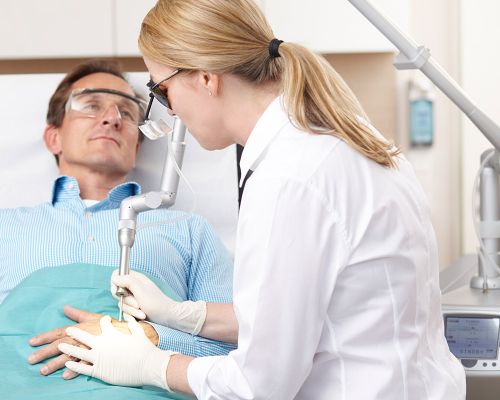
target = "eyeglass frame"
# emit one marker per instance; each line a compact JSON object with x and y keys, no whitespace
{"x":141,"y":103}
{"x":155,"y":92}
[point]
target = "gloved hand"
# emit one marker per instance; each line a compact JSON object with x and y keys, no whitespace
{"x":148,"y":301}
{"x":118,"y":358}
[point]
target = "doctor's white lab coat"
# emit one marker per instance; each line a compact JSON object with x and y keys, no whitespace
{"x":336,"y":279}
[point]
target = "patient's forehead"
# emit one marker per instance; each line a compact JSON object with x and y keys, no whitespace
{"x":103,"y":80}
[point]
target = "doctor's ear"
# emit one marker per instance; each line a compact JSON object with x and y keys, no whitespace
{"x":52,"y":139}
{"x":210,"y":82}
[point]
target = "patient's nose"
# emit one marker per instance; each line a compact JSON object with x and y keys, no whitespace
{"x":112,"y":117}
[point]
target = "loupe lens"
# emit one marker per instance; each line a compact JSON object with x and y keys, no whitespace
{"x":155,"y":129}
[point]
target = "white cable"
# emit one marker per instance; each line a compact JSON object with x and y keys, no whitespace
{"x":476,"y":219}
{"x":170,"y":153}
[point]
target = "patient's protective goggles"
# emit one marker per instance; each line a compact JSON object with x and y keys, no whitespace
{"x":95,"y":103}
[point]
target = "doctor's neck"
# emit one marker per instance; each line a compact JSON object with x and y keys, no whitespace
{"x":245,"y":103}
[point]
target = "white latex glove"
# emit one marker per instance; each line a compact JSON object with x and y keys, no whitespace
{"x":119,"y":358}
{"x":148,"y":301}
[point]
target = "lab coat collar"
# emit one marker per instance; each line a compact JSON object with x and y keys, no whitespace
{"x":267,"y":127}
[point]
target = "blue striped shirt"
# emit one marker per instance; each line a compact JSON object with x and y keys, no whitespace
{"x":186,"y":254}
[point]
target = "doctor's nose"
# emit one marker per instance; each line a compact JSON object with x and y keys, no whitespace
{"x":112,"y":117}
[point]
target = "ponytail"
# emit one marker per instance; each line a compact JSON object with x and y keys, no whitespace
{"x":318,"y":100}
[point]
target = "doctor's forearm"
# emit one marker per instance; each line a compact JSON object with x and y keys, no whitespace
{"x":220,"y":323}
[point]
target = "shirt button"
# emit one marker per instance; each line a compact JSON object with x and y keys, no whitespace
{"x":70,"y":186}
{"x":90,"y":238}
{"x":88,"y":214}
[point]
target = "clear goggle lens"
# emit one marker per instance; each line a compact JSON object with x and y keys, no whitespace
{"x":95,"y":103}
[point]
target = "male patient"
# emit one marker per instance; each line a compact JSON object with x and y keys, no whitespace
{"x":94,"y":137}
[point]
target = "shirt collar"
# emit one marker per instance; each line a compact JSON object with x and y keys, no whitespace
{"x":267,"y":127}
{"x":66,"y":188}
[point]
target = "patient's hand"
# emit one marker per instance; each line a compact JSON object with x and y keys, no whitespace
{"x":87,"y":321}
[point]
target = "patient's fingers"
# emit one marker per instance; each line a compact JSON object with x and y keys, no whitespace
{"x":79,"y":315}
{"x":48,"y":337}
{"x":58,"y":333}
{"x":52,"y":350}
{"x":78,"y":352}
{"x":81,"y":336}
{"x":80,"y":368}
{"x":48,"y":351}
{"x":55,"y":364}
{"x":68,"y":374}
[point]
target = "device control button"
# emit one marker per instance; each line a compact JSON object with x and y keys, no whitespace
{"x":469,"y":363}
{"x":485,"y":364}
{"x":494,"y":364}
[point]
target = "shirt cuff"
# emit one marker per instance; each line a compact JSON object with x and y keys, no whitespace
{"x":197,"y":373}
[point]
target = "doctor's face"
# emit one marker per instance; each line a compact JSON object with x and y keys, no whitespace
{"x":189,"y":97}
{"x":105,"y":143}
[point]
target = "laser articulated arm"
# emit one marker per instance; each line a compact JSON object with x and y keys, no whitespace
{"x":165,"y":198}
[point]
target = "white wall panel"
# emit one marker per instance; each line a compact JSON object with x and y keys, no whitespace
{"x":333,"y":26}
{"x":128,"y":17}
{"x":55,"y":28}
{"x":435,"y":25}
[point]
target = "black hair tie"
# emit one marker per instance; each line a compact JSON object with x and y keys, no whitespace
{"x":273,"y":48}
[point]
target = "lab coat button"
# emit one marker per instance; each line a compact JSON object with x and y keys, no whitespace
{"x":90,"y":238}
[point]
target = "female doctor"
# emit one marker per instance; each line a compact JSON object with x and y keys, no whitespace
{"x":336,"y":290}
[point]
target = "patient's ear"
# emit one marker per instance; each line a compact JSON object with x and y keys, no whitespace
{"x":52,"y":139}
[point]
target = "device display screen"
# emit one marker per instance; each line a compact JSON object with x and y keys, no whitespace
{"x":473,"y":337}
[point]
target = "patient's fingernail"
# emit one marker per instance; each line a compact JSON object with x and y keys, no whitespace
{"x":65,"y":374}
{"x":33,"y":341}
{"x":44,"y":370}
{"x":32,"y":359}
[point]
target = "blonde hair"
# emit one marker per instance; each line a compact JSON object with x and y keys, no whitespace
{"x":233,"y":36}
